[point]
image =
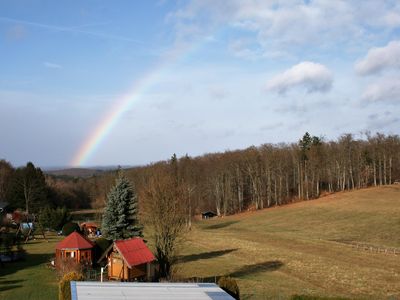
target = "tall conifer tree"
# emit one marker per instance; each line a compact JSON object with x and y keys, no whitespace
{"x":120,"y":218}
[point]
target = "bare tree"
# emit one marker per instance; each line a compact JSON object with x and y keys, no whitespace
{"x":166,"y":214}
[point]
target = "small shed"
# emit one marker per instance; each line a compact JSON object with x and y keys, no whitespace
{"x":130,"y":260}
{"x":77,"y":247}
{"x":208,"y":215}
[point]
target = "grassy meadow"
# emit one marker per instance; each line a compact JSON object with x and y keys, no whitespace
{"x":302,"y":248}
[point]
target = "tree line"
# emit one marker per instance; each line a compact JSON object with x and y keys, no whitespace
{"x":27,"y":188}
{"x":276,"y":174}
{"x":226,"y":183}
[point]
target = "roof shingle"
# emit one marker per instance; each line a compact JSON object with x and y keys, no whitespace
{"x":134,"y":251}
{"x":75,"y":241}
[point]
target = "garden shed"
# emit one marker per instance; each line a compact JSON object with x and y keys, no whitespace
{"x":130,"y":260}
{"x":208,"y":215}
{"x":77,"y":247}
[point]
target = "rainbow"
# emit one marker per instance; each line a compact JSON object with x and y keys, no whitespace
{"x":108,"y":122}
{"x":121,"y":105}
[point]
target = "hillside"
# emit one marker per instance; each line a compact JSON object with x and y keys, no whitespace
{"x":305,"y":248}
{"x":75,"y":172}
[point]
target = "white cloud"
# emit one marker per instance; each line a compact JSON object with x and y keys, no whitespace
{"x":51,"y":65}
{"x":312,"y":76}
{"x":276,"y":24}
{"x":379,"y":59}
{"x":387,"y":90}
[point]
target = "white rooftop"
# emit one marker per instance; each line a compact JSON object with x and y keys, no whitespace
{"x":90,"y":290}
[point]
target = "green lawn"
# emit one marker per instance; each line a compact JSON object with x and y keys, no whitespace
{"x":31,"y":278}
{"x":301,"y":248}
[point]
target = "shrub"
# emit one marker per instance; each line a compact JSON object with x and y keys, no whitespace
{"x":69,"y":228}
{"x":230,"y":286}
{"x":64,"y":291}
{"x":68,"y":265}
{"x":6,"y":242}
{"x":53,"y":218}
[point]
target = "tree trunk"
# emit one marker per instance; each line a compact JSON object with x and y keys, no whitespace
{"x":384,"y":169}
{"x":306,"y":178}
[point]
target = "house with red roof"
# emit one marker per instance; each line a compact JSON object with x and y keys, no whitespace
{"x":130,"y":260}
{"x":76,"y":247}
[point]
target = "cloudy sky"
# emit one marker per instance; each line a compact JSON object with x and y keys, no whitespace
{"x":191,"y":76}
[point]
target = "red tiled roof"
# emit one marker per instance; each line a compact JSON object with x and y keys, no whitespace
{"x":134,"y":251}
{"x":75,"y":241}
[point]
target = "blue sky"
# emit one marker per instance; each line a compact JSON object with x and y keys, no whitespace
{"x":224,"y":75}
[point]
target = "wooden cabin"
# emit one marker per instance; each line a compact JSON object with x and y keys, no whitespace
{"x":77,"y":247}
{"x":130,"y":260}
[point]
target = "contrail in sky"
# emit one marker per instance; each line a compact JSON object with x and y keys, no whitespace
{"x":74,"y":29}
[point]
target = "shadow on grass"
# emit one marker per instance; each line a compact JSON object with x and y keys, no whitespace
{"x":9,"y":287}
{"x":267,"y":266}
{"x":30,"y":260}
{"x":220,"y":225}
{"x":2,"y":281}
{"x":204,"y":255}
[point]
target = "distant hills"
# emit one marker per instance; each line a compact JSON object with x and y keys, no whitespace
{"x":81,"y":172}
{"x":75,"y":172}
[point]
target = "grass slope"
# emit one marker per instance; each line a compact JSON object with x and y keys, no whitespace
{"x":302,"y":248}
{"x":276,"y":253}
{"x":31,"y":278}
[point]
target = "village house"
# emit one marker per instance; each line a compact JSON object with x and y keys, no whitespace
{"x":76,"y":247}
{"x":130,"y":260}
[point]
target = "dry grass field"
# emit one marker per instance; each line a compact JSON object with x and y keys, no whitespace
{"x":304,"y":248}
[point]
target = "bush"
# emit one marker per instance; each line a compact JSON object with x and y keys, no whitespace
{"x":11,"y":245}
{"x":68,"y":265}
{"x":64,"y":291}
{"x":50,"y":218}
{"x":69,"y":228}
{"x":230,"y":286}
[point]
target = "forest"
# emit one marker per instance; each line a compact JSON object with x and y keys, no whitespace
{"x":229,"y":182}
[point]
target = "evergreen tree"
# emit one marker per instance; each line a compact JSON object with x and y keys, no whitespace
{"x":28,"y":189}
{"x":120,"y":218}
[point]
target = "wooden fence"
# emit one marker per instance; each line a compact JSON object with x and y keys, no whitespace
{"x":370,"y":248}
